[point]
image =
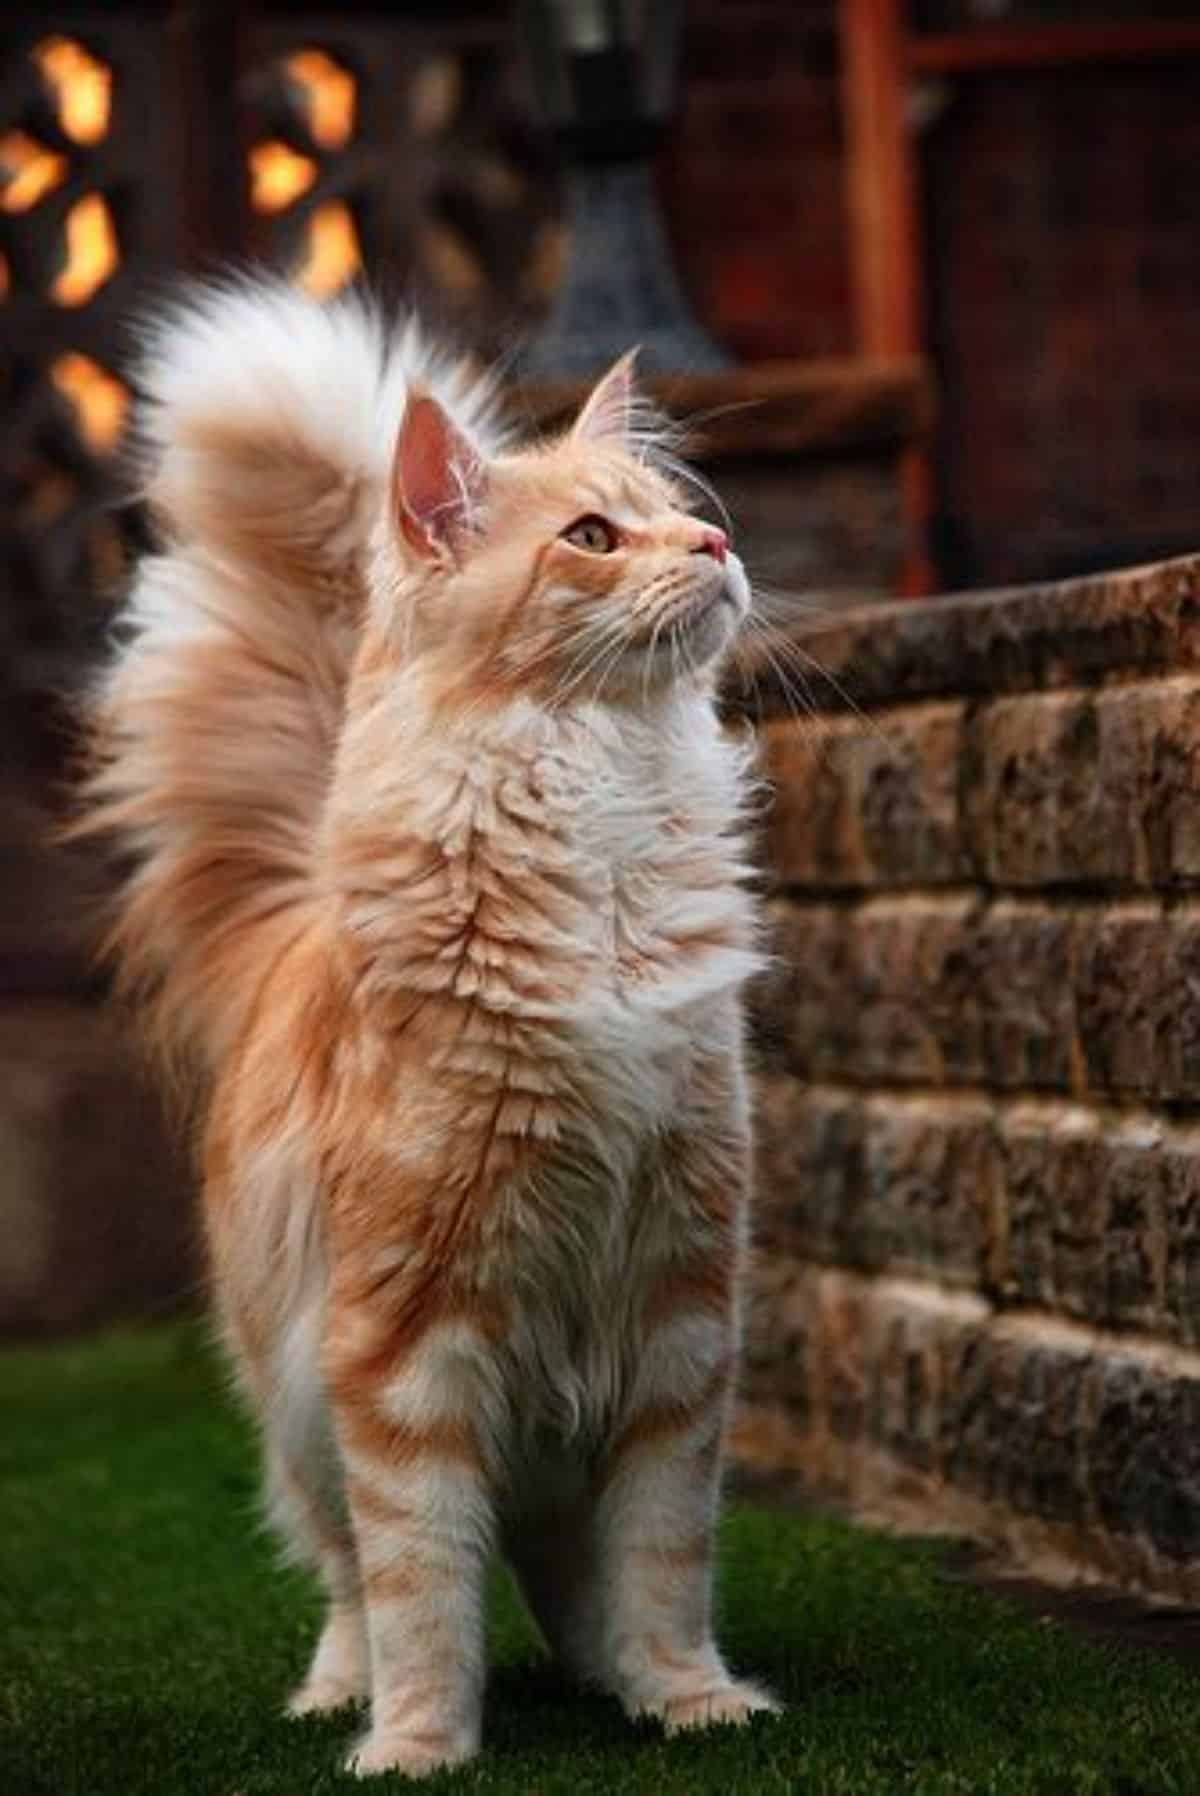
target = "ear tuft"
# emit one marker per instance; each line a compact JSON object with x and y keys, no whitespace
{"x":438,"y":478}
{"x":607,"y":414}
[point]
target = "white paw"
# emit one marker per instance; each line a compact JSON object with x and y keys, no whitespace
{"x":321,"y":1695}
{"x":730,"y":1702}
{"x":415,"y":1755}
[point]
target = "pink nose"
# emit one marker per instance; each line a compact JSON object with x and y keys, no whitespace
{"x":713,"y":542}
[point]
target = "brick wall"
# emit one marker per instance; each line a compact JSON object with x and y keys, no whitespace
{"x":753,"y":181}
{"x":978,"y":1291}
{"x":1054,"y":249}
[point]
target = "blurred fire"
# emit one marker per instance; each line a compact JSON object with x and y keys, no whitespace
{"x":332,"y":254}
{"x":28,"y":171}
{"x":278,"y":176}
{"x":92,"y":255}
{"x":327,"y":93}
{"x":99,"y":400}
{"x":81,"y":84}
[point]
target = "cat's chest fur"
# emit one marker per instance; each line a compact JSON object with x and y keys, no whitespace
{"x":569,"y":892}
{"x":641,"y":824}
{"x":584,"y":872}
{"x":647,"y":816}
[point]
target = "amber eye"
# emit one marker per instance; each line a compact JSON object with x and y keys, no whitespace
{"x":593,"y":533}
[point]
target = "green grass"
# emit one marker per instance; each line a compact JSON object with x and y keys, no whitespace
{"x":147,"y":1638}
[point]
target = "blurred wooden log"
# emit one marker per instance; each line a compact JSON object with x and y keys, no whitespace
{"x":771,"y":408}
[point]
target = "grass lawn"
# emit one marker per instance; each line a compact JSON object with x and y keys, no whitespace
{"x":147,"y":1637}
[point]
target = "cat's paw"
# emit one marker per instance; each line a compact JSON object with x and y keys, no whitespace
{"x":730,"y":1702}
{"x":414,"y":1755}
{"x":322,"y":1695}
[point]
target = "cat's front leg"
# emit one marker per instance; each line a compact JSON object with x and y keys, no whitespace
{"x":657,"y":1503}
{"x":655,"y":1521}
{"x":411,"y":1419}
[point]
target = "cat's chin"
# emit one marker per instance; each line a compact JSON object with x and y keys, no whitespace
{"x":687,"y":652}
{"x":705,"y":630}
{"x":705,"y":638}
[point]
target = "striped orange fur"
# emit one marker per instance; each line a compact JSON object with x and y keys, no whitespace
{"x":439,"y":898}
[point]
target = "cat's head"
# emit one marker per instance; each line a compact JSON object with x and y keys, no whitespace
{"x":564,"y":571}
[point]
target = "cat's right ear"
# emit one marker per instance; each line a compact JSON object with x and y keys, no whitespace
{"x":607,"y":414}
{"x":439,"y":480}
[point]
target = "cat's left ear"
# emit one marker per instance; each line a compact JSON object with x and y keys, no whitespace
{"x":607,"y":415}
{"x":439,"y":480}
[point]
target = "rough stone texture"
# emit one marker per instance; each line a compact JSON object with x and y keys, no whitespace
{"x":978,"y":1095}
{"x":879,"y":1182}
{"x":1082,"y":996}
{"x":1074,"y":790}
{"x":1080,"y":789}
{"x":859,"y":810}
{"x":1079,"y":1450}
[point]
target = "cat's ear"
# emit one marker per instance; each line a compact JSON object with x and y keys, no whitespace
{"x":439,"y":480}
{"x":607,"y":415}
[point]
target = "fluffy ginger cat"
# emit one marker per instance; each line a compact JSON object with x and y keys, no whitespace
{"x":437,"y":893}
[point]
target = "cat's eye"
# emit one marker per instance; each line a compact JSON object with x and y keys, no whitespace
{"x":593,"y":533}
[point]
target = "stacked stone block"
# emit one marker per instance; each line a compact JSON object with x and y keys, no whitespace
{"x":978,"y":1276}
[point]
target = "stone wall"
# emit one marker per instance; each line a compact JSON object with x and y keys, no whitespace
{"x":978,"y":1285}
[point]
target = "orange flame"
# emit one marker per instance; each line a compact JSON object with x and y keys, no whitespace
{"x":28,"y":171}
{"x":332,"y":254}
{"x":92,"y":254}
{"x":278,"y":176}
{"x":98,"y":398}
{"x":329,"y":96}
{"x":82,"y":87}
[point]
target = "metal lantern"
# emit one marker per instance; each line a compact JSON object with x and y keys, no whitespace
{"x":605,"y":73}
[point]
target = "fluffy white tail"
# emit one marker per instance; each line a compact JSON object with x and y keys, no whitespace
{"x":268,"y":429}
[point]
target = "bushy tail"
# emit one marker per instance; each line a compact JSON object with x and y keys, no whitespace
{"x":268,"y":431}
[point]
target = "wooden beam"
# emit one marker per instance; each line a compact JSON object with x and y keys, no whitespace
{"x":885,"y":255}
{"x":997,"y":48}
{"x":880,"y":183}
{"x":770,"y":408}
